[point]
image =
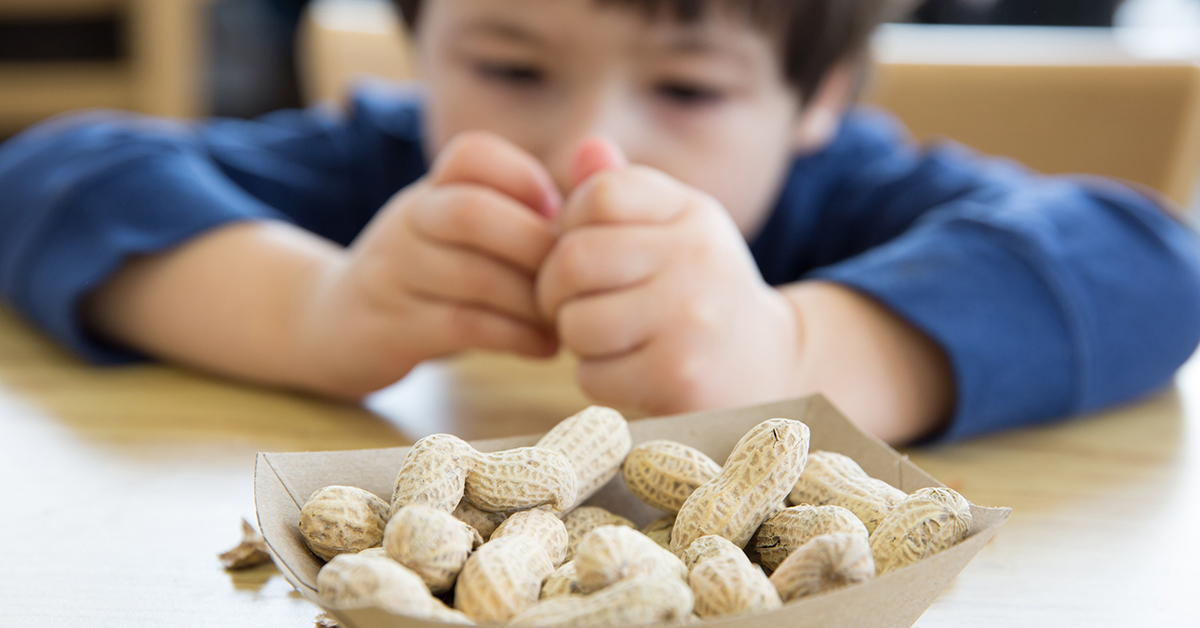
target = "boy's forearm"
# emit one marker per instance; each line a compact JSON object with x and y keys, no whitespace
{"x":226,"y":302}
{"x":886,"y":375}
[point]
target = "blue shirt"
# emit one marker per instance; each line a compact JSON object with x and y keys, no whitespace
{"x":1051,"y":296}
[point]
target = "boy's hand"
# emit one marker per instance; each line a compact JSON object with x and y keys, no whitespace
{"x":653,"y":287}
{"x":448,"y":264}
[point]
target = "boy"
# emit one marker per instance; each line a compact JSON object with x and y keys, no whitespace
{"x":927,"y":294}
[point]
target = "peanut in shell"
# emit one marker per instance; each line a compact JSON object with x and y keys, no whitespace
{"x":792,"y":527}
{"x":759,"y":473}
{"x":595,"y":441}
{"x":502,"y":579}
{"x":342,"y":520}
{"x":724,"y":581}
{"x":610,"y":554}
{"x":834,"y":479}
{"x":541,"y":525}
{"x":520,"y":479}
{"x":430,"y":542}
{"x":483,"y":522}
{"x":584,"y":519}
{"x":434,"y":473}
{"x":928,"y":521}
{"x":631,"y":602}
{"x":663,"y":473}
{"x":826,"y":562}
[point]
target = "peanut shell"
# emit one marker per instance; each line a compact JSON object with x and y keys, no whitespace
{"x":520,"y":479}
{"x":595,"y":441}
{"x":632,"y":602}
{"x":502,"y":578}
{"x":584,"y":519}
{"x":928,"y":521}
{"x":792,"y":527}
{"x":826,"y":562}
{"x":434,"y":473}
{"x":342,"y":520}
{"x":659,"y":530}
{"x":541,"y":525}
{"x":664,"y":473}
{"x":430,"y":542}
{"x":728,"y":584}
{"x":834,"y":479}
{"x":762,"y":468}
{"x":484,"y":522}
{"x":610,"y":554}
{"x":351,"y":581}
{"x":561,"y":582}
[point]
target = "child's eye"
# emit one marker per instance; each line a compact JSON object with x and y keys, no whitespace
{"x":689,"y":94}
{"x":513,"y":74}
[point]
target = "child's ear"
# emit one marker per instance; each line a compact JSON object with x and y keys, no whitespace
{"x":821,"y":117}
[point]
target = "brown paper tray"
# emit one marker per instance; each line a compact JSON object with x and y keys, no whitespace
{"x":283,"y":482}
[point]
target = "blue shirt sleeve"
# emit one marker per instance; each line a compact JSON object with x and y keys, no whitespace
{"x":80,"y":195}
{"x":1050,"y":296}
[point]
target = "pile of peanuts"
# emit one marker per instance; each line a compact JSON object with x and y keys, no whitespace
{"x":502,"y":538}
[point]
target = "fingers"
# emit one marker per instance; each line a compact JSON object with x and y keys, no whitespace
{"x":630,"y":195}
{"x":595,"y":155}
{"x":466,"y":277}
{"x":478,"y":218}
{"x":453,"y":327}
{"x":609,"y":324}
{"x":488,"y":160}
{"x":597,"y":259}
{"x":652,"y":379}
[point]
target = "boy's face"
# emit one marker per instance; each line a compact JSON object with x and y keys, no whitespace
{"x":706,"y":103}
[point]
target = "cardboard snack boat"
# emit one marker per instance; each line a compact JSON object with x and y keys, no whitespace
{"x":284,"y":481}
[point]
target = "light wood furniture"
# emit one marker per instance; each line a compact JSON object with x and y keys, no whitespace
{"x":342,"y":42}
{"x":123,"y":484}
{"x":1058,"y":100}
{"x":163,"y":74}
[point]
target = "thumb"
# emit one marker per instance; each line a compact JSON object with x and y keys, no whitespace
{"x":594,"y":155}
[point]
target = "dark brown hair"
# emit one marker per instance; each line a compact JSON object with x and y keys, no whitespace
{"x":812,"y":36}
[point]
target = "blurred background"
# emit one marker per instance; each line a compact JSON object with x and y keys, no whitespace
{"x":1109,"y":87}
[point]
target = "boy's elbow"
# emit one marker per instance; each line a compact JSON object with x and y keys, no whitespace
{"x":1161,"y":330}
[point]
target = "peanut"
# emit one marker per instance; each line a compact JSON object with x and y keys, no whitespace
{"x":762,"y":468}
{"x":928,"y":521}
{"x":342,"y":520}
{"x":561,"y":582}
{"x":659,"y":530}
{"x":595,"y":441}
{"x":484,"y":522}
{"x":834,"y":479}
{"x":434,"y":473}
{"x":584,"y":519}
{"x":828,"y":561}
{"x":632,"y":602}
{"x":502,"y":578}
{"x":540,"y":525}
{"x":793,"y":527}
{"x":663,"y":473}
{"x":430,"y":542}
{"x":441,"y":470}
{"x":610,"y":554}
{"x":724,"y":581}
{"x":519,"y":479}
{"x":351,"y":581}
{"x":375,"y":552}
